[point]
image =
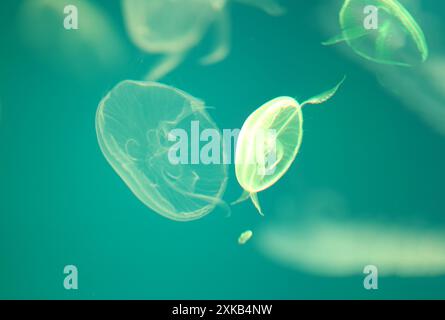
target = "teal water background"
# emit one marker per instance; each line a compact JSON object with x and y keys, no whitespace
{"x":61,"y":203}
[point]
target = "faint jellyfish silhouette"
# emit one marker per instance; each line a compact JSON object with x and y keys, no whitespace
{"x":397,"y":39}
{"x":133,"y":124}
{"x":421,"y":89}
{"x":95,"y":46}
{"x":262,"y":159}
{"x":172,"y":28}
{"x":333,"y":248}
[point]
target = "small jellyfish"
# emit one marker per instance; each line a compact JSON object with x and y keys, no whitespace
{"x":391,"y":36}
{"x":174,"y":27}
{"x":244,"y":237}
{"x":268,"y":143}
{"x":134,"y":124}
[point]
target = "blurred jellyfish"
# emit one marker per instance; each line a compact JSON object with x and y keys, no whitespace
{"x":420,"y":88}
{"x":328,"y":248}
{"x":269,"y":141}
{"x":173,"y":27}
{"x":395,"y":39}
{"x":94,"y":45}
{"x":134,"y":123}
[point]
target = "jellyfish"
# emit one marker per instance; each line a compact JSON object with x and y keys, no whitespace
{"x":244,"y":237}
{"x":173,"y":27}
{"x":327,"y":247}
{"x":135,"y":123}
{"x":268,"y":143}
{"x":94,"y":47}
{"x":395,"y":38}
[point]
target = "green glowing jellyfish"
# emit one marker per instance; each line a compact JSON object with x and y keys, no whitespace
{"x":269,"y":141}
{"x":172,"y":28}
{"x":382,"y":31}
{"x":244,"y":237}
{"x":135,"y":124}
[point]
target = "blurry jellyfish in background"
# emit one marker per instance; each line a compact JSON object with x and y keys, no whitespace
{"x":395,"y":39}
{"x":269,"y":141}
{"x":134,"y":123}
{"x":331,"y":248}
{"x":321,"y":237}
{"x":420,"y":88}
{"x":173,"y":27}
{"x":96,"y":44}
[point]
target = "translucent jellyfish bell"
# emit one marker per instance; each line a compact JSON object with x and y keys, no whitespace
{"x":169,"y":26}
{"x":268,"y":143}
{"x":133,"y":123}
{"x":173,"y":27}
{"x":395,"y":38}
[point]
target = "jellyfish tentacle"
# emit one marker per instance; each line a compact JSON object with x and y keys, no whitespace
{"x":325,"y":96}
{"x":222,"y":47}
{"x":253,"y":196}
{"x":347,"y":35}
{"x":256,"y":203}
{"x":165,"y":66}
{"x":271,"y":7}
{"x":244,"y":196}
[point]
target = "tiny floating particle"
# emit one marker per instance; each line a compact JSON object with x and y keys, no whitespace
{"x":244,"y":237}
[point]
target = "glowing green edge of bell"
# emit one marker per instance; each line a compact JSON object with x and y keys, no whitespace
{"x":408,"y":22}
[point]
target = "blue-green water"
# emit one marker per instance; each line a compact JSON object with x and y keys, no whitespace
{"x":61,"y":203}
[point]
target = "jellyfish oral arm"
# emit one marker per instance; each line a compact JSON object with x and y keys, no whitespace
{"x":347,"y":35}
{"x":165,"y":66}
{"x":222,"y":47}
{"x":256,"y":203}
{"x":325,"y":96}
